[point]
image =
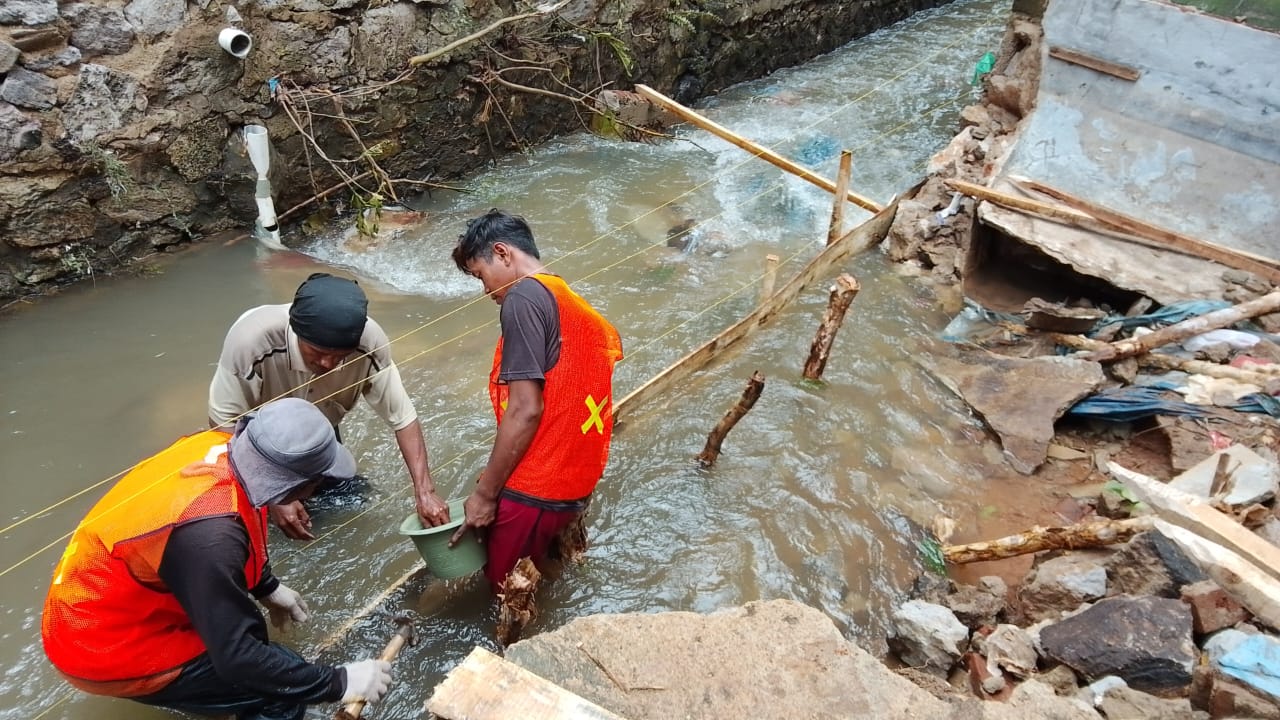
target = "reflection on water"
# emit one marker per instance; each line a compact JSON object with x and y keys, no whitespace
{"x":820,"y":494}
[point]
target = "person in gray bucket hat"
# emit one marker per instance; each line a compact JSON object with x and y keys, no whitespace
{"x":153,"y":599}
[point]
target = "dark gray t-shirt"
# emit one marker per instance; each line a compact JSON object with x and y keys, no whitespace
{"x":530,"y":332}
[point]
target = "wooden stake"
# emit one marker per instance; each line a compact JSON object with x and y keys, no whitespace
{"x":770,"y":276}
{"x":845,"y":289}
{"x":842,"y":188}
{"x":403,"y":636}
{"x":1190,"y":327}
{"x":759,"y":151}
{"x":711,"y":451}
{"x":1090,"y":534}
{"x":1263,"y":267}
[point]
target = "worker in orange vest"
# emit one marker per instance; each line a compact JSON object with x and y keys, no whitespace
{"x":153,"y":598}
{"x":551,"y":386}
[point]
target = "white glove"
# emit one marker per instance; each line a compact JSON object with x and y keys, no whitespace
{"x":367,"y":681}
{"x":285,"y":605}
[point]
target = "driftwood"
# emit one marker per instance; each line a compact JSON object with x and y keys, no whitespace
{"x":1197,"y":516}
{"x":842,"y":188}
{"x":859,"y":239}
{"x":1082,"y":535}
{"x":1256,"y":375}
{"x":517,"y":607}
{"x":486,"y":687}
{"x":1263,"y":267}
{"x":1075,"y":57}
{"x":759,"y":151}
{"x":845,"y":289}
{"x":1258,"y":592}
{"x":1190,"y":327}
{"x":428,"y":57}
{"x":711,"y":450}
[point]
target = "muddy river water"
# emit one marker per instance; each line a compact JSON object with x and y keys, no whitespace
{"x":821,"y":493}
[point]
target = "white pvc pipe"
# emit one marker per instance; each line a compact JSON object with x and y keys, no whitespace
{"x":236,"y":42}
{"x":255,"y":137}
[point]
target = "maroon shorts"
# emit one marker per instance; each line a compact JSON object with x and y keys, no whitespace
{"x":521,"y":530}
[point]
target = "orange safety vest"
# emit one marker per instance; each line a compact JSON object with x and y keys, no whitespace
{"x":110,"y":625}
{"x":569,"y":450}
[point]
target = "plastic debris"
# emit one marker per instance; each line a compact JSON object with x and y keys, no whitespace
{"x":984,"y":66}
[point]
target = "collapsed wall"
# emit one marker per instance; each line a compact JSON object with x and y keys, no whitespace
{"x":120,"y":121}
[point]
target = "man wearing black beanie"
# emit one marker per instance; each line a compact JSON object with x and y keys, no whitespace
{"x":324,"y":348}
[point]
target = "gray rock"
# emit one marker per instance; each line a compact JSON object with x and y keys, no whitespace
{"x":98,"y":30}
{"x":152,"y":18}
{"x":1144,"y":640}
{"x":776,"y":659}
{"x":1061,"y":584}
{"x":975,"y":606}
{"x":928,"y":636}
{"x":1125,"y":702}
{"x":28,"y":12}
{"x":1010,"y":648}
{"x":104,"y":100}
{"x":8,"y":56}
{"x":1030,"y":699}
{"x":30,"y":90}
{"x":1020,"y":399}
{"x":1151,"y":564}
{"x":387,"y":37}
{"x":54,"y":64}
{"x":1062,"y":679}
{"x":17,"y":132}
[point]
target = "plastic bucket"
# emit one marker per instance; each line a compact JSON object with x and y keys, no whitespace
{"x":432,"y":543}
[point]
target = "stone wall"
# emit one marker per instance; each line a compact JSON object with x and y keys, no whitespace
{"x":120,"y":121}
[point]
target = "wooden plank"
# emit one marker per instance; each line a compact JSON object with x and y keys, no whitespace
{"x":1197,"y":516}
{"x":1257,"y":592}
{"x":759,"y":151}
{"x":1075,"y":57}
{"x":1267,"y":268}
{"x":857,"y":240}
{"x":487,"y":687}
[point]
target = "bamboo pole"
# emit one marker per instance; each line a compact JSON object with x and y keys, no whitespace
{"x":403,"y":636}
{"x":842,"y":294}
{"x":1090,"y":534}
{"x":1263,"y":267}
{"x":770,"y":276}
{"x":759,"y":151}
{"x":842,"y":188}
{"x":715,"y":439}
{"x":1190,"y":327}
{"x":1260,"y":376}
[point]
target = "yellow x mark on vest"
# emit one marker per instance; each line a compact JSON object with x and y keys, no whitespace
{"x":595,"y":418}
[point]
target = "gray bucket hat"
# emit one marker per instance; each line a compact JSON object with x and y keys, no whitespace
{"x":284,"y":445}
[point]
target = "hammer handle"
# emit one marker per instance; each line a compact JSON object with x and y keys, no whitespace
{"x":353,"y":710}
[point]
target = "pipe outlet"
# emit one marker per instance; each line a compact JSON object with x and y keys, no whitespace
{"x":235,"y":41}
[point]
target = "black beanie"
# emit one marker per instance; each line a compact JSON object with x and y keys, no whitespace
{"x":329,"y":312}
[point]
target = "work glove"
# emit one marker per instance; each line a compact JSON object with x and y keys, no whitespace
{"x":285,"y":606}
{"x":367,"y":681}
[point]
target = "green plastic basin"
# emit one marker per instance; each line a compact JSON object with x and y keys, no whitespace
{"x":432,"y":543}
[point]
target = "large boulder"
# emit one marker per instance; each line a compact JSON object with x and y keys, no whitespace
{"x":98,"y":30}
{"x":1146,"y":641}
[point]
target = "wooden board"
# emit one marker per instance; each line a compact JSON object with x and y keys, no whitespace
{"x":486,"y":687}
{"x":1258,"y":592}
{"x":1075,"y":57}
{"x":1194,"y":514}
{"x":861,"y":238}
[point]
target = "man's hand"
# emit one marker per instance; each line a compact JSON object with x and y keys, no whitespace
{"x":293,"y":519}
{"x":286,"y":606}
{"x":480,"y":511}
{"x":431,"y":509}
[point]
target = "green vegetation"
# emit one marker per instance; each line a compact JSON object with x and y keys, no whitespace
{"x":1255,"y":13}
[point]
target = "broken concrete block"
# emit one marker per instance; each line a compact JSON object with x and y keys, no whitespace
{"x":1250,"y":477}
{"x":1212,"y":609}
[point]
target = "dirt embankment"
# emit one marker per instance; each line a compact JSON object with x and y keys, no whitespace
{"x":120,"y":123}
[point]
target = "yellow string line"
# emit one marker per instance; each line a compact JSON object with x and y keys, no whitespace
{"x":468,"y":304}
{"x":55,"y":705}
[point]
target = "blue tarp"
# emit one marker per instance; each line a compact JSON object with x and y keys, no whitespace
{"x":1133,"y":403}
{"x":1167,"y":315}
{"x":1255,"y":662}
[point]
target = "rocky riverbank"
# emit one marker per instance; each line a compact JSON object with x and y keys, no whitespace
{"x":120,"y":121}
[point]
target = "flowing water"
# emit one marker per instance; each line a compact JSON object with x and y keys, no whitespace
{"x":821,"y":493}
